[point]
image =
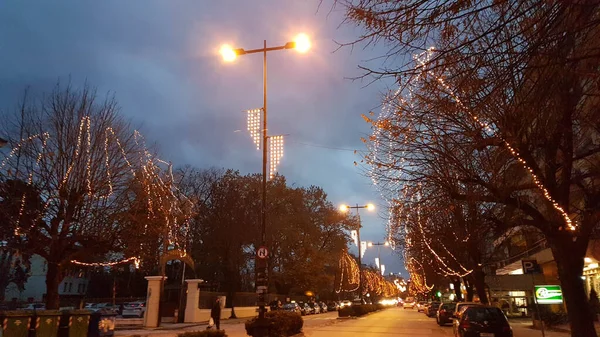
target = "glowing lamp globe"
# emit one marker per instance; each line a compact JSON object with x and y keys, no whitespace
{"x":227,"y":53}
{"x":302,"y":43}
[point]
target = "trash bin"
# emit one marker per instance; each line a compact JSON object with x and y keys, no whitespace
{"x":14,"y":323}
{"x":46,"y":323}
{"x":102,"y":324}
{"x":74,"y":323}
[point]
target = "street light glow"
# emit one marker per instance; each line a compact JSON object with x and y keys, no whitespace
{"x":344,"y":208}
{"x":386,"y":243}
{"x":227,"y":53}
{"x":370,"y":207}
{"x":302,"y":43}
{"x":370,"y":244}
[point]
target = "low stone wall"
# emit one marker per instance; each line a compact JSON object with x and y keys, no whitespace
{"x":240,"y":312}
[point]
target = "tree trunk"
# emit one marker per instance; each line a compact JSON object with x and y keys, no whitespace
{"x":457,"y":292}
{"x":479,"y":282}
{"x":5,"y":271}
{"x":569,"y":257}
{"x":468,"y":288}
{"x":53,"y":279}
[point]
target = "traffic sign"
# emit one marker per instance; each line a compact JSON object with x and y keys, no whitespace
{"x":531,"y":267}
{"x":262,"y":252}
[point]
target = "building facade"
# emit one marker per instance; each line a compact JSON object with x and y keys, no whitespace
{"x":74,"y":284}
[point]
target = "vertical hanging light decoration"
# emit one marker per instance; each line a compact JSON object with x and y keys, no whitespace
{"x":363,"y":248}
{"x":254,"y":125}
{"x":354,"y":236}
{"x":275,"y":153}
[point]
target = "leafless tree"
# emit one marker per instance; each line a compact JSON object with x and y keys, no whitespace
{"x":72,"y":149}
{"x":519,"y":81}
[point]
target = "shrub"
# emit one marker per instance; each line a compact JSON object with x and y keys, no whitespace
{"x":360,"y":310}
{"x":203,"y":333}
{"x":280,"y":324}
{"x":345,"y":312}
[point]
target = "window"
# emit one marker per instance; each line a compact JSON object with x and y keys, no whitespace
{"x":65,"y":285}
{"x":70,"y":286}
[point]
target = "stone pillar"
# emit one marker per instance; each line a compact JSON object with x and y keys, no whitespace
{"x":192,"y":312}
{"x":152,"y":301}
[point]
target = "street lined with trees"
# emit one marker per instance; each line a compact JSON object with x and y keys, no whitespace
{"x":81,"y":189}
{"x":497,"y":113}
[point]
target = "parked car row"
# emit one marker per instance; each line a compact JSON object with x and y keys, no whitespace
{"x":468,"y":318}
{"x":305,"y":308}
{"x":128,"y":309}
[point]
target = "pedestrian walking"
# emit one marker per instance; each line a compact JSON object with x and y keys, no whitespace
{"x":215,"y":313}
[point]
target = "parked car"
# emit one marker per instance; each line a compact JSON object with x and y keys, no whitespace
{"x":134,"y":309}
{"x":292,"y":307}
{"x":358,"y":301}
{"x":421,"y":306}
{"x":332,"y":306}
{"x":482,"y":321}
{"x":432,"y":308}
{"x":323,"y":307}
{"x":304,"y":308}
{"x":409,"y":303}
{"x":445,"y":313}
{"x":35,"y":306}
{"x":458,"y":309}
{"x":315,"y":308}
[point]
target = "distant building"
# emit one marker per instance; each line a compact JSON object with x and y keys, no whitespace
{"x":74,"y":284}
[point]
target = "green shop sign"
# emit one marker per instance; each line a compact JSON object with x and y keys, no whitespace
{"x":548,"y":294}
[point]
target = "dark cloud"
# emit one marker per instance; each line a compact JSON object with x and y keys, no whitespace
{"x":160,"y":59}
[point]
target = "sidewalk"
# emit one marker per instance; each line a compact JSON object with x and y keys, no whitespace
{"x":172,"y":329}
{"x":557,"y":330}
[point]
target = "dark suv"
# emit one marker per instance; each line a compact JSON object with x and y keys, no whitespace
{"x":482,"y":321}
{"x":444,"y":313}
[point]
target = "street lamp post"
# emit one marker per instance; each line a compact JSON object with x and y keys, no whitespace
{"x":301,"y":44}
{"x":378,"y":244}
{"x":345,"y":208}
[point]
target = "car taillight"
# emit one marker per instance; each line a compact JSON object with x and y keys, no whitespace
{"x":465,"y":324}
{"x":443,"y":311}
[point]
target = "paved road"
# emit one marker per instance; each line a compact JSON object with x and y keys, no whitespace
{"x":389,"y":323}
{"x":402,"y":323}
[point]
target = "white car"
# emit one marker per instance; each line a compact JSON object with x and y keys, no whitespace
{"x":409,"y":303}
{"x":134,"y":309}
{"x":35,"y":306}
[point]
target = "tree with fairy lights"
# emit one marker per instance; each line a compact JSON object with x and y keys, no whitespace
{"x":518,"y":80}
{"x":76,"y":156}
{"x":14,"y":255}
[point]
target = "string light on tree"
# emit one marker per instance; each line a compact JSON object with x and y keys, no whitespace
{"x":135,"y":260}
{"x":164,"y":199}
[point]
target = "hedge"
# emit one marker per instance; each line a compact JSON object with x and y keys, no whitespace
{"x":203,"y":333}
{"x":359,"y":310}
{"x":280,"y":324}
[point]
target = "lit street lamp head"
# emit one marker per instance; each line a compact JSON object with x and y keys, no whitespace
{"x":302,"y":43}
{"x":344,"y":208}
{"x":370,"y":207}
{"x":229,"y":54}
